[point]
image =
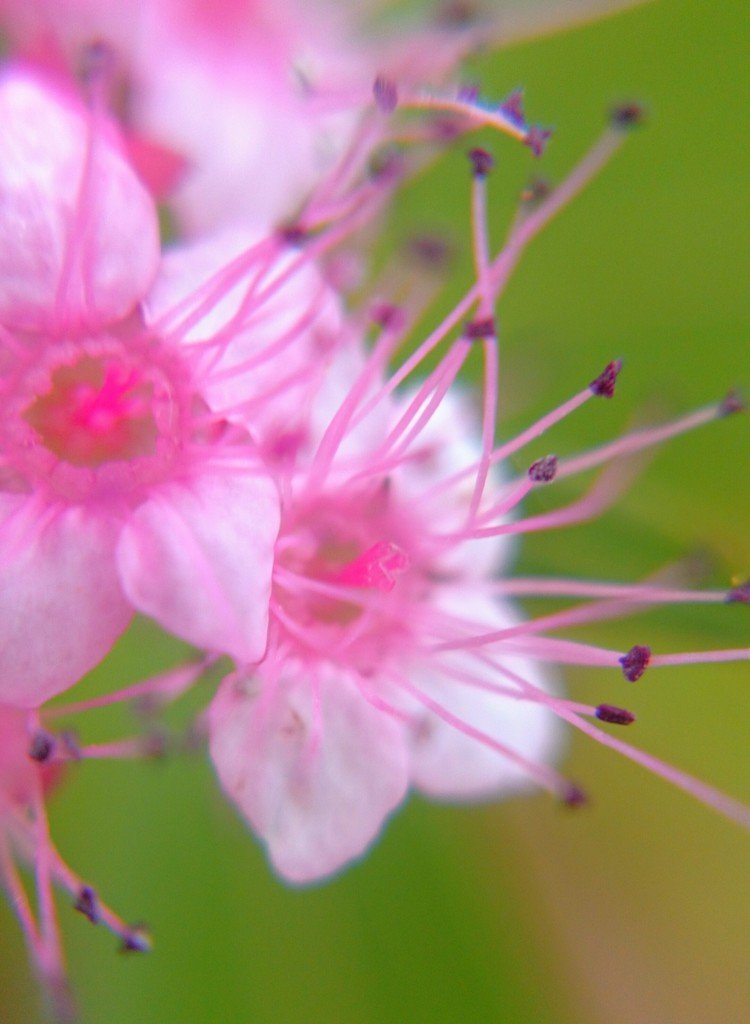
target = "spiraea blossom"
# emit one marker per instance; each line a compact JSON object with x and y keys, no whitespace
{"x":395,"y":659}
{"x":112,"y":435}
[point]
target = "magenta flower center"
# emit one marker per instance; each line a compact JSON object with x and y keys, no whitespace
{"x":348,"y":563}
{"x":95,"y":417}
{"x":97,"y":410}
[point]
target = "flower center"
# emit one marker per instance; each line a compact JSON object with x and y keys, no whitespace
{"x":99,"y":417}
{"x":97,"y":410}
{"x":347,"y":566}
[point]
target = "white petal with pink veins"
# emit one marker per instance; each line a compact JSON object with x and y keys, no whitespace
{"x":61,"y":606}
{"x":452,"y":765}
{"x":311,"y":764}
{"x":79,"y":237}
{"x":197,"y":557}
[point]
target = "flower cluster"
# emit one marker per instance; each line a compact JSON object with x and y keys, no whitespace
{"x":203,"y":426}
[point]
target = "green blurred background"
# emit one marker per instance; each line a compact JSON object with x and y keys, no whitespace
{"x":636,"y":909}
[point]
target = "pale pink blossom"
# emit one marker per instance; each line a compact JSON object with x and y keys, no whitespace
{"x":112,"y":462}
{"x":395,"y":659}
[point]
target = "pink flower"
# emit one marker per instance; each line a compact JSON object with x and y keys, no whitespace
{"x":120,"y":488}
{"x":323,"y":740}
{"x":395,"y":659}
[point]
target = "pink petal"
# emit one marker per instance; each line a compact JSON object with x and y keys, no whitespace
{"x":449,"y":764}
{"x":79,"y":241}
{"x":313,"y":767}
{"x":197,"y":557}
{"x":61,"y":607}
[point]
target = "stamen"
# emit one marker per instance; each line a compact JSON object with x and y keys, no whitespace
{"x":635,"y":662}
{"x":614,"y":715}
{"x":627,"y":115}
{"x":604,"y":384}
{"x":42,"y":747}
{"x":574,"y":796}
{"x":482,"y":162}
{"x":512,"y":105}
{"x":137,"y":940}
{"x":739,"y":594}
{"x":477,"y":329}
{"x":537,"y":139}
{"x":543,"y":470}
{"x":732,"y":403}
{"x":87,"y":903}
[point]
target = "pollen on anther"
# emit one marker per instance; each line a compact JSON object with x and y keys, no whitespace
{"x":604,"y":384}
{"x":635,"y":662}
{"x":481,"y":161}
{"x":543,"y":470}
{"x":42,"y":746}
{"x":614,"y":715}
{"x":87,"y":903}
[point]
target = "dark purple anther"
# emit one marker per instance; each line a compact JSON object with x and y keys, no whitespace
{"x":477,"y":329}
{"x":482,"y":162}
{"x":293,"y":234}
{"x":732,"y":403}
{"x":512,"y":107}
{"x":613,"y":715}
{"x":42,"y":746}
{"x":137,"y":940}
{"x":604,"y":384}
{"x":626,"y":115}
{"x":574,"y":796}
{"x":739,"y":594}
{"x":543,"y":470}
{"x":388,"y":316}
{"x":635,"y":662}
{"x":537,"y":138}
{"x":87,"y":903}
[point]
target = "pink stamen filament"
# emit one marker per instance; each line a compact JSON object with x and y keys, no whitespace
{"x":478,"y":115}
